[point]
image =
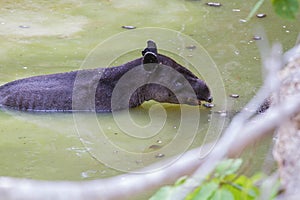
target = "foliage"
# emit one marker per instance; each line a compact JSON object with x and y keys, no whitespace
{"x":284,"y":8}
{"x":222,"y":184}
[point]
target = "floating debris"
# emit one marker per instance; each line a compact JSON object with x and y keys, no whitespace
{"x":160,"y":155}
{"x":209,"y":105}
{"x":159,"y":141}
{"x":138,"y":162}
{"x":222,"y":113}
{"x":79,"y":151}
{"x":236,"y":10}
{"x":234,"y":96}
{"x":191,"y":47}
{"x":243,"y":20}
{"x":129,"y":27}
{"x":214,"y":4}
{"x":287,"y":31}
{"x":88,"y":173}
{"x":256,"y":38}
{"x":24,"y":26}
{"x":115,"y":151}
{"x":154,"y":147}
{"x":261,"y":15}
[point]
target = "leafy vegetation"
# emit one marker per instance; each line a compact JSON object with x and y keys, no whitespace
{"x":223,"y":183}
{"x":287,"y":9}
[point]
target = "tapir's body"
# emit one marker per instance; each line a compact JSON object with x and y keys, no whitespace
{"x":93,"y":89}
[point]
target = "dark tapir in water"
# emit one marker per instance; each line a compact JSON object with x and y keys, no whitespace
{"x":93,"y":89}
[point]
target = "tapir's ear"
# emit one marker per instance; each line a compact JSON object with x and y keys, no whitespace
{"x":150,"y":57}
{"x":150,"y":61}
{"x":151,"y":47}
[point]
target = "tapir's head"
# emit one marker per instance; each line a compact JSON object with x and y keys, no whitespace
{"x":170,"y":82}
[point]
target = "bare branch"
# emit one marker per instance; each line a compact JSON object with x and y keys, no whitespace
{"x":241,"y":127}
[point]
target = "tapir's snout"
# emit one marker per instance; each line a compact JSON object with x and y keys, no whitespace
{"x":210,"y":99}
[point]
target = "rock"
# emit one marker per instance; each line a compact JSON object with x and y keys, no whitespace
{"x":234,"y":96}
{"x":129,"y":27}
{"x":261,"y":15}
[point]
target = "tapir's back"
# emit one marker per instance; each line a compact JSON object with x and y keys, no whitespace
{"x":48,"y":92}
{"x":92,"y":89}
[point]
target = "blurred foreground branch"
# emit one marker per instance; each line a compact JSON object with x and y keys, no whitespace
{"x":244,"y":130}
{"x":286,"y":150}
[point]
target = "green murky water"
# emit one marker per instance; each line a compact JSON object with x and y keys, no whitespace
{"x":40,"y":37}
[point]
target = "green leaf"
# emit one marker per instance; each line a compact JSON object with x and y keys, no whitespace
{"x":242,"y":186}
{"x":275,"y":190}
{"x":257,"y":177}
{"x":272,"y":188}
{"x":227,"y":167}
{"x":204,"y":192}
{"x":225,"y":184}
{"x":286,"y":8}
{"x":222,"y":194}
{"x":167,"y":191}
{"x":180,"y":181}
{"x":242,"y":192}
{"x":163,"y":193}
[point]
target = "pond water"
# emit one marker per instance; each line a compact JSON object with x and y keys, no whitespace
{"x":40,"y":37}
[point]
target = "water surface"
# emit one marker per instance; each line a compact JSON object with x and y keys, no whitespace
{"x":49,"y":37}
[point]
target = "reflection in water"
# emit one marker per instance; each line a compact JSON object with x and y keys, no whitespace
{"x":49,"y":142}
